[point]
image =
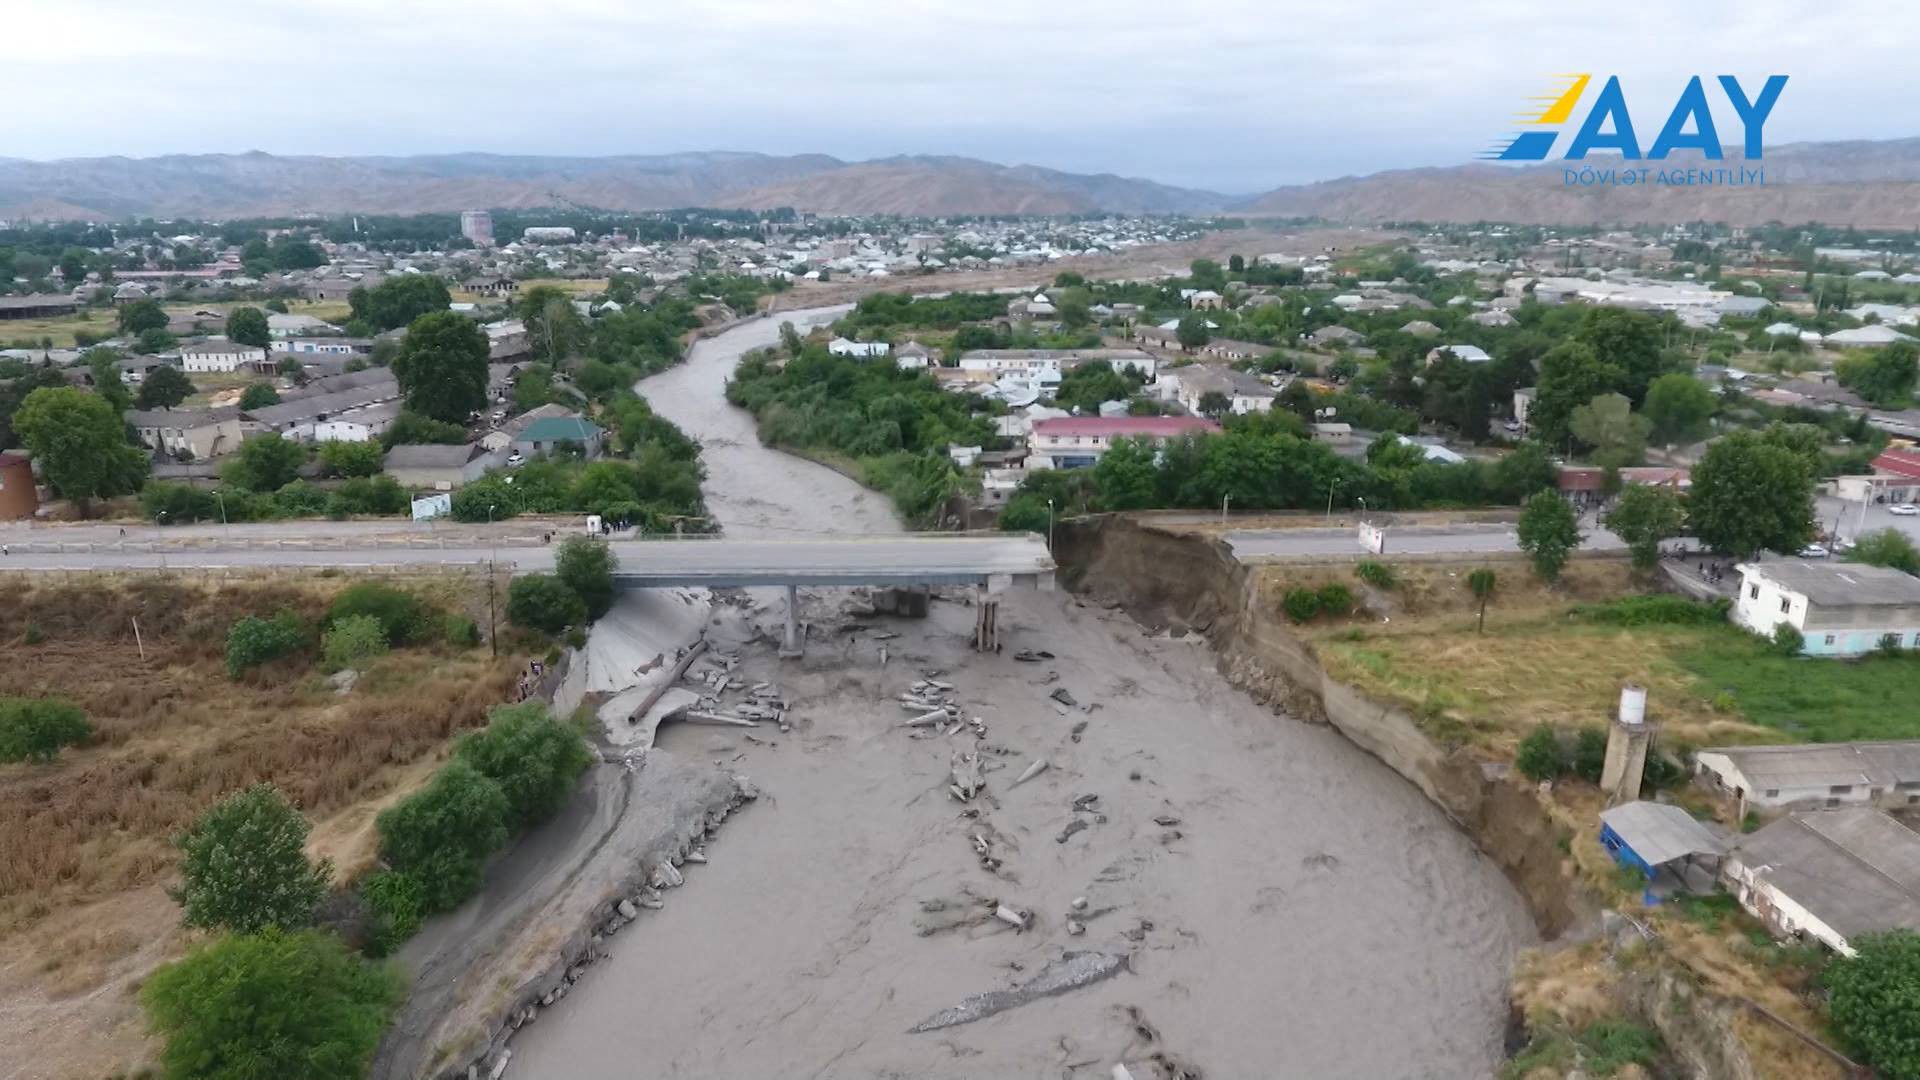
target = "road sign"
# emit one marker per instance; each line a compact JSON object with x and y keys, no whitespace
{"x":1373,"y":538}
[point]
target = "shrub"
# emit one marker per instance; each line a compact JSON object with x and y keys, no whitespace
{"x":1657,"y":610}
{"x":395,"y":900}
{"x":543,"y":602}
{"x":1301,"y":605}
{"x":441,"y":835}
{"x":341,"y":458}
{"x":291,"y":1006}
{"x":34,"y":729}
{"x":404,"y":617}
{"x":462,"y":631}
{"x":586,"y":566}
{"x":1377,"y":574}
{"x":244,"y":866}
{"x":1612,"y":1045}
{"x":1336,"y":599}
{"x":353,"y":640}
{"x":254,"y":641}
{"x":1540,"y":757}
{"x":1787,"y":641}
{"x":1871,"y":1004}
{"x":534,"y":758}
{"x":1590,"y":754}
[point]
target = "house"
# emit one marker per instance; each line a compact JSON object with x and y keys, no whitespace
{"x":280,"y":325}
{"x":438,"y":467}
{"x":1329,"y":431}
{"x":1206,"y":300}
{"x":1522,"y":404}
{"x":1895,"y":479}
{"x":863,"y":349}
{"x":1812,"y":776}
{"x":1190,"y":385}
{"x":547,"y":434}
{"x":1421,"y":328}
{"x":1230,"y":350}
{"x":198,"y":434}
{"x":219,"y":354}
{"x":1330,"y":337}
{"x":1586,"y":485}
{"x":1495,"y":317}
{"x":1078,"y":441}
{"x":1839,"y":609}
{"x":494,"y":285}
{"x":998,"y":485}
{"x":37,"y":306}
{"x":1155,"y":337}
{"x":1675,"y":851}
{"x":323,"y":346}
{"x":353,"y":407}
{"x":1829,"y":875}
{"x":1471,"y":354}
{"x":18,"y":499}
{"x":1867,"y":336}
{"x":913,"y":356}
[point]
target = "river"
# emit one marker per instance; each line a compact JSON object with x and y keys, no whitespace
{"x":1309,"y":914}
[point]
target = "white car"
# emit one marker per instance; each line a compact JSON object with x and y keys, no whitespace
{"x":1813,"y":551}
{"x":514,"y":459}
{"x":1904,"y":510}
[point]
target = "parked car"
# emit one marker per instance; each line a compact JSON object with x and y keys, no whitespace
{"x":1904,"y":510}
{"x":1813,"y":551}
{"x":515,"y":460}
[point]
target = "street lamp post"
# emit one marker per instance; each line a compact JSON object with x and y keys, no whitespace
{"x":221,"y":498}
{"x":1049,"y":526}
{"x":1331,"y":484}
{"x":1224,"y":501}
{"x":493,"y":555}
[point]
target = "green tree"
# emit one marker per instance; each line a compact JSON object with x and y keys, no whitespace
{"x":1236,"y":264}
{"x":244,"y":866}
{"x":1644,"y":516}
{"x":163,"y":388}
{"x":1886,"y":547}
{"x":586,"y":566}
{"x":1216,"y":404}
{"x":248,"y":326}
{"x":399,"y":301}
{"x":1609,"y":426}
{"x":1540,"y":757}
{"x":534,"y":758}
{"x":442,"y":367}
{"x":1548,"y":533}
{"x":1126,"y":476}
{"x":265,"y":463}
{"x":543,"y":602}
{"x":253,"y":641}
{"x":554,"y":325}
{"x":441,"y":835}
{"x":1872,"y":1002}
{"x":140,"y":316}
{"x":1750,"y":494}
{"x":258,"y":396}
{"x":104,"y":365}
{"x":1192,"y":331}
{"x":81,"y":445}
{"x":1571,"y":375}
{"x":340,"y":458}
{"x":1884,"y":376}
{"x":293,"y":1006}
{"x":1626,"y":340}
{"x":353,"y":641}
{"x":1680,"y":408}
{"x":1482,"y":581}
{"x":73,"y":265}
{"x":1073,"y":306}
{"x":35,"y":729}
{"x":404,"y":618}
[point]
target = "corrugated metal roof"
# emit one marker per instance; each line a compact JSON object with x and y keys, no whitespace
{"x":1661,"y":834}
{"x":1879,"y":764}
{"x":1857,"y":870}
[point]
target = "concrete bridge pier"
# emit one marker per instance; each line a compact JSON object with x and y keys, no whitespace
{"x":986,"y":620}
{"x":790,"y":643}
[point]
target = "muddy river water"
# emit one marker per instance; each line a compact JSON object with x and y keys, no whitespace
{"x":1307,"y":913}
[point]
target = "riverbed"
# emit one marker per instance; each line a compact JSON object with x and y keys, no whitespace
{"x":1289,"y":907}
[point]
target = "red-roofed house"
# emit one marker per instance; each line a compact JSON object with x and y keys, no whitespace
{"x":1586,"y":484}
{"x":1895,"y":479}
{"x":1076,"y":442}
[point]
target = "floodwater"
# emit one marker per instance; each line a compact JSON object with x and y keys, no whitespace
{"x":755,"y":492}
{"x":1290,"y":907}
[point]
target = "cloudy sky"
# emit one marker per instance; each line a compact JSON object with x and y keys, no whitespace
{"x":1231,"y":95}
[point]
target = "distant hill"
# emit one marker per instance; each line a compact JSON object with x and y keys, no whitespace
{"x":258,"y":184}
{"x":1840,"y":183}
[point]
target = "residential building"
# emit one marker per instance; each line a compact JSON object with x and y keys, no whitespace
{"x":1421,"y":328}
{"x":438,"y":467}
{"x":1829,"y":875}
{"x":323,"y":346}
{"x":1471,"y":354}
{"x":1155,"y":337}
{"x":37,"y":306}
{"x":1232,"y":351}
{"x":545,"y":435}
{"x":1813,"y":776}
{"x":1586,"y":485}
{"x":1895,"y":479}
{"x":197,"y":434}
{"x":280,"y":325}
{"x":1190,"y":385}
{"x":477,"y":226}
{"x":18,"y":499}
{"x":862,"y":349}
{"x":1840,"y":609}
{"x":1328,"y":337}
{"x":913,"y":356}
{"x":219,"y":354}
{"x":1078,"y":441}
{"x":353,"y":407}
{"x":493,"y":285}
{"x":1206,"y":300}
{"x":1866,"y":336}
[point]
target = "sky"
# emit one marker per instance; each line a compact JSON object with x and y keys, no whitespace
{"x":1232,"y":96}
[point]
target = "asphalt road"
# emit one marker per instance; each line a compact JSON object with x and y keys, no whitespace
{"x":1464,"y":539}
{"x":852,"y":561}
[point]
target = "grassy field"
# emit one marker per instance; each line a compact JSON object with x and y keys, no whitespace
{"x":86,"y":843}
{"x":26,"y":333}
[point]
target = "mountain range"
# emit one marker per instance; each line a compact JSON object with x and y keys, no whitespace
{"x":1843,"y":183}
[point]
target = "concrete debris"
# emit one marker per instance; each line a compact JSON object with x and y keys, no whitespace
{"x":1075,"y":928}
{"x":1060,"y":695}
{"x":1014,"y":917}
{"x":1074,"y":826}
{"x":696,"y":856}
{"x":1039,"y":766}
{"x":967,"y":780}
{"x":342,"y":681}
{"x":1086,"y":802}
{"x":938,"y":716}
{"x":1073,"y":971}
{"x":1079,"y":903}
{"x":1078,"y":729}
{"x":1120,"y":1072}
{"x":1166,"y":821}
{"x":652,"y":903}
{"x":1032,"y":656}
{"x":627,"y":910}
{"x":666,"y":876}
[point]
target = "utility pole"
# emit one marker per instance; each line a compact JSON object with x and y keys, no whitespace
{"x":493,"y":637}
{"x":1049,"y":526}
{"x":1224,"y":500}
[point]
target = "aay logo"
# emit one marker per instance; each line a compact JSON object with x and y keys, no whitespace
{"x":1610,"y":109}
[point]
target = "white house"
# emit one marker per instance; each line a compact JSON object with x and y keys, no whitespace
{"x":1078,"y":441}
{"x":283,"y":325}
{"x":219,"y":355}
{"x":1867,"y":336}
{"x":1189,"y":385}
{"x":1829,"y":875}
{"x":1812,"y":776}
{"x":1840,"y":609}
{"x":1471,"y":354}
{"x":913,"y":356}
{"x":863,"y":349}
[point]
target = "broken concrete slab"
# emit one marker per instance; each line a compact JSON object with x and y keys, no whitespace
{"x":1073,"y":971}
